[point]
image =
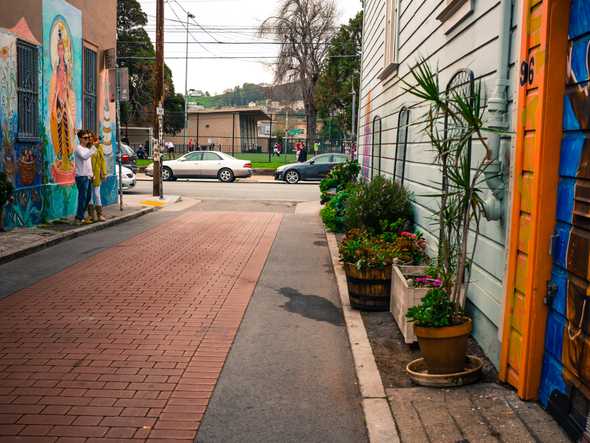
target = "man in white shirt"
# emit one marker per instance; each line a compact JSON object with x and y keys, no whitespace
{"x":83,"y":161}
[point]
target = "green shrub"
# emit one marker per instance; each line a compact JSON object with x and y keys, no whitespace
{"x":339,"y":178}
{"x":373,"y":205}
{"x":333,"y":213}
{"x":436,"y":310}
{"x":6,"y":189}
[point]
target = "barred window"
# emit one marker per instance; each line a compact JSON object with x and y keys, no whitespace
{"x":27,"y":91}
{"x":90,"y":83}
{"x":401,"y":146}
{"x":376,"y":148}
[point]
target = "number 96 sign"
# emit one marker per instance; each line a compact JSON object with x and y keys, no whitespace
{"x":527,"y":72}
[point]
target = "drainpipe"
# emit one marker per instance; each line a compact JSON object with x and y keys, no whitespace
{"x":498,"y":119}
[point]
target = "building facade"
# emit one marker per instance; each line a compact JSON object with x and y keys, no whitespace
{"x":531,"y":273}
{"x":229,"y":129}
{"x":465,"y":41}
{"x":54,"y":81}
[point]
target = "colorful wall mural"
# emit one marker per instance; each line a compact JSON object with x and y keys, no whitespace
{"x":43,"y":170}
{"x":107,"y":113}
{"x":565,"y":382}
{"x":8,"y":103}
{"x":62,"y":101}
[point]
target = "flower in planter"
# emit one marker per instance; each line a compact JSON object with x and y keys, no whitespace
{"x":410,"y":248}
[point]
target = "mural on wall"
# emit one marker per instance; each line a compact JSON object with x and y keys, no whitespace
{"x":366,"y":160}
{"x":61,"y":103}
{"x":107,"y":115}
{"x":565,"y":384}
{"x":8,"y":103}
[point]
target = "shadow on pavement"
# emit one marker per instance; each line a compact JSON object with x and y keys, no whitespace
{"x":311,"y":306}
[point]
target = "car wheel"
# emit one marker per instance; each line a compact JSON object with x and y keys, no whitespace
{"x":292,"y":176}
{"x":226,"y":175}
{"x":167,"y":174}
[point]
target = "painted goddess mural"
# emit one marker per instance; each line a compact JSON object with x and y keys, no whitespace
{"x":62,"y":103}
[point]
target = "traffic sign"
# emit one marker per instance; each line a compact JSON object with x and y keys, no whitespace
{"x":160,"y":111}
{"x":296,"y":131}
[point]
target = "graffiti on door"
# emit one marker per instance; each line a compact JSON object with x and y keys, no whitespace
{"x":565,"y":385}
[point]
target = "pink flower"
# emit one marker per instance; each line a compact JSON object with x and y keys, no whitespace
{"x":408,"y":235}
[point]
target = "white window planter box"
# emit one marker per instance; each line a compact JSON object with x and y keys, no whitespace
{"x":404,"y":296}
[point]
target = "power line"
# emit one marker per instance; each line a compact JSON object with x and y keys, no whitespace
{"x":193,"y":19}
{"x":217,"y":42}
{"x":187,"y":30}
{"x":236,"y":57}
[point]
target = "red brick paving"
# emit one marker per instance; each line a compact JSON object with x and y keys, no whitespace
{"x":129,"y":344}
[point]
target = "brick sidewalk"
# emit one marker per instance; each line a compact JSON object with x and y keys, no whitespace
{"x":102,"y":349}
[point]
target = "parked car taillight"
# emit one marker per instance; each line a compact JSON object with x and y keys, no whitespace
{"x":248,"y":165}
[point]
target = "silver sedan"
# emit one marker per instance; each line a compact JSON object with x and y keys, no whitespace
{"x":204,"y":164}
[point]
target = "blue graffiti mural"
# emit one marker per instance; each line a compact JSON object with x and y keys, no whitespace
{"x":566,"y":366}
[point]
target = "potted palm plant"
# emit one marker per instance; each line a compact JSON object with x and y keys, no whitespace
{"x":440,"y":322}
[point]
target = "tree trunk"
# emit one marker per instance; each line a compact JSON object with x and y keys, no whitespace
{"x":311,"y":115}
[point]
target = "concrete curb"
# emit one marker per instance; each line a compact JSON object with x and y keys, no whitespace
{"x":83,"y":230}
{"x":380,"y":424}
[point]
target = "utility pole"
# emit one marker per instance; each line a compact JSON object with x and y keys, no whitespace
{"x":188,"y":16}
{"x":159,"y":100}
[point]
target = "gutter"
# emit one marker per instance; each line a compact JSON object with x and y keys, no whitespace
{"x":499,"y":144}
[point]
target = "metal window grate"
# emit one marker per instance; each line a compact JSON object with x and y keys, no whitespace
{"x":90,"y":86}
{"x":401,"y":145}
{"x":376,"y":148}
{"x":27,"y":91}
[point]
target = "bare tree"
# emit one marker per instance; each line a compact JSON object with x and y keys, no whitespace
{"x":303,"y":27}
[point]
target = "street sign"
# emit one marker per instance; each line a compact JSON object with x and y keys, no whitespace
{"x":124,"y":84}
{"x":160,"y":111}
{"x":296,"y":131}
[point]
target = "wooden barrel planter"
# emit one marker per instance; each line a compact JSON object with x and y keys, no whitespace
{"x":368,"y":290}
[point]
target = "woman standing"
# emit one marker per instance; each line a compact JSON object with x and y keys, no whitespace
{"x":99,"y":170}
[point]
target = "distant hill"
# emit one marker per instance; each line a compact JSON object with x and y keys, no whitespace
{"x":249,"y":92}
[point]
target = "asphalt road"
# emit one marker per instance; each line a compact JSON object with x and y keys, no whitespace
{"x":206,"y":189}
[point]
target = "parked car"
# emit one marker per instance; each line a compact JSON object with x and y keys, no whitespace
{"x":128,"y":157}
{"x":315,"y":169}
{"x":128,"y":178}
{"x":204,"y":164}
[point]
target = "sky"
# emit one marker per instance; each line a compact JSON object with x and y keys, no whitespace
{"x":222,"y":21}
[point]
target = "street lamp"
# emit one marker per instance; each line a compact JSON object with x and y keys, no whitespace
{"x":188,"y":17}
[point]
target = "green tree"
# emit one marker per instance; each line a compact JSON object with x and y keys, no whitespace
{"x":339,"y":74}
{"x":136,"y":52}
{"x":174,"y":114}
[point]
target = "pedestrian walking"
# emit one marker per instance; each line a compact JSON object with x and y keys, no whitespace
{"x":84,"y":175}
{"x":99,"y":172}
{"x":169,"y":149}
{"x":297,"y":151}
{"x":316,"y":148}
{"x":303,"y":153}
{"x":276,"y":150}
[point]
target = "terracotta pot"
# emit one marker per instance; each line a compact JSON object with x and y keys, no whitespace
{"x":444,"y":349}
{"x":368,"y":290}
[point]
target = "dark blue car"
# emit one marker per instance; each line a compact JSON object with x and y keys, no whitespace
{"x":315,"y":169}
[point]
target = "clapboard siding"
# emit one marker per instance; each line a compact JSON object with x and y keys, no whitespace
{"x":474,"y":44}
